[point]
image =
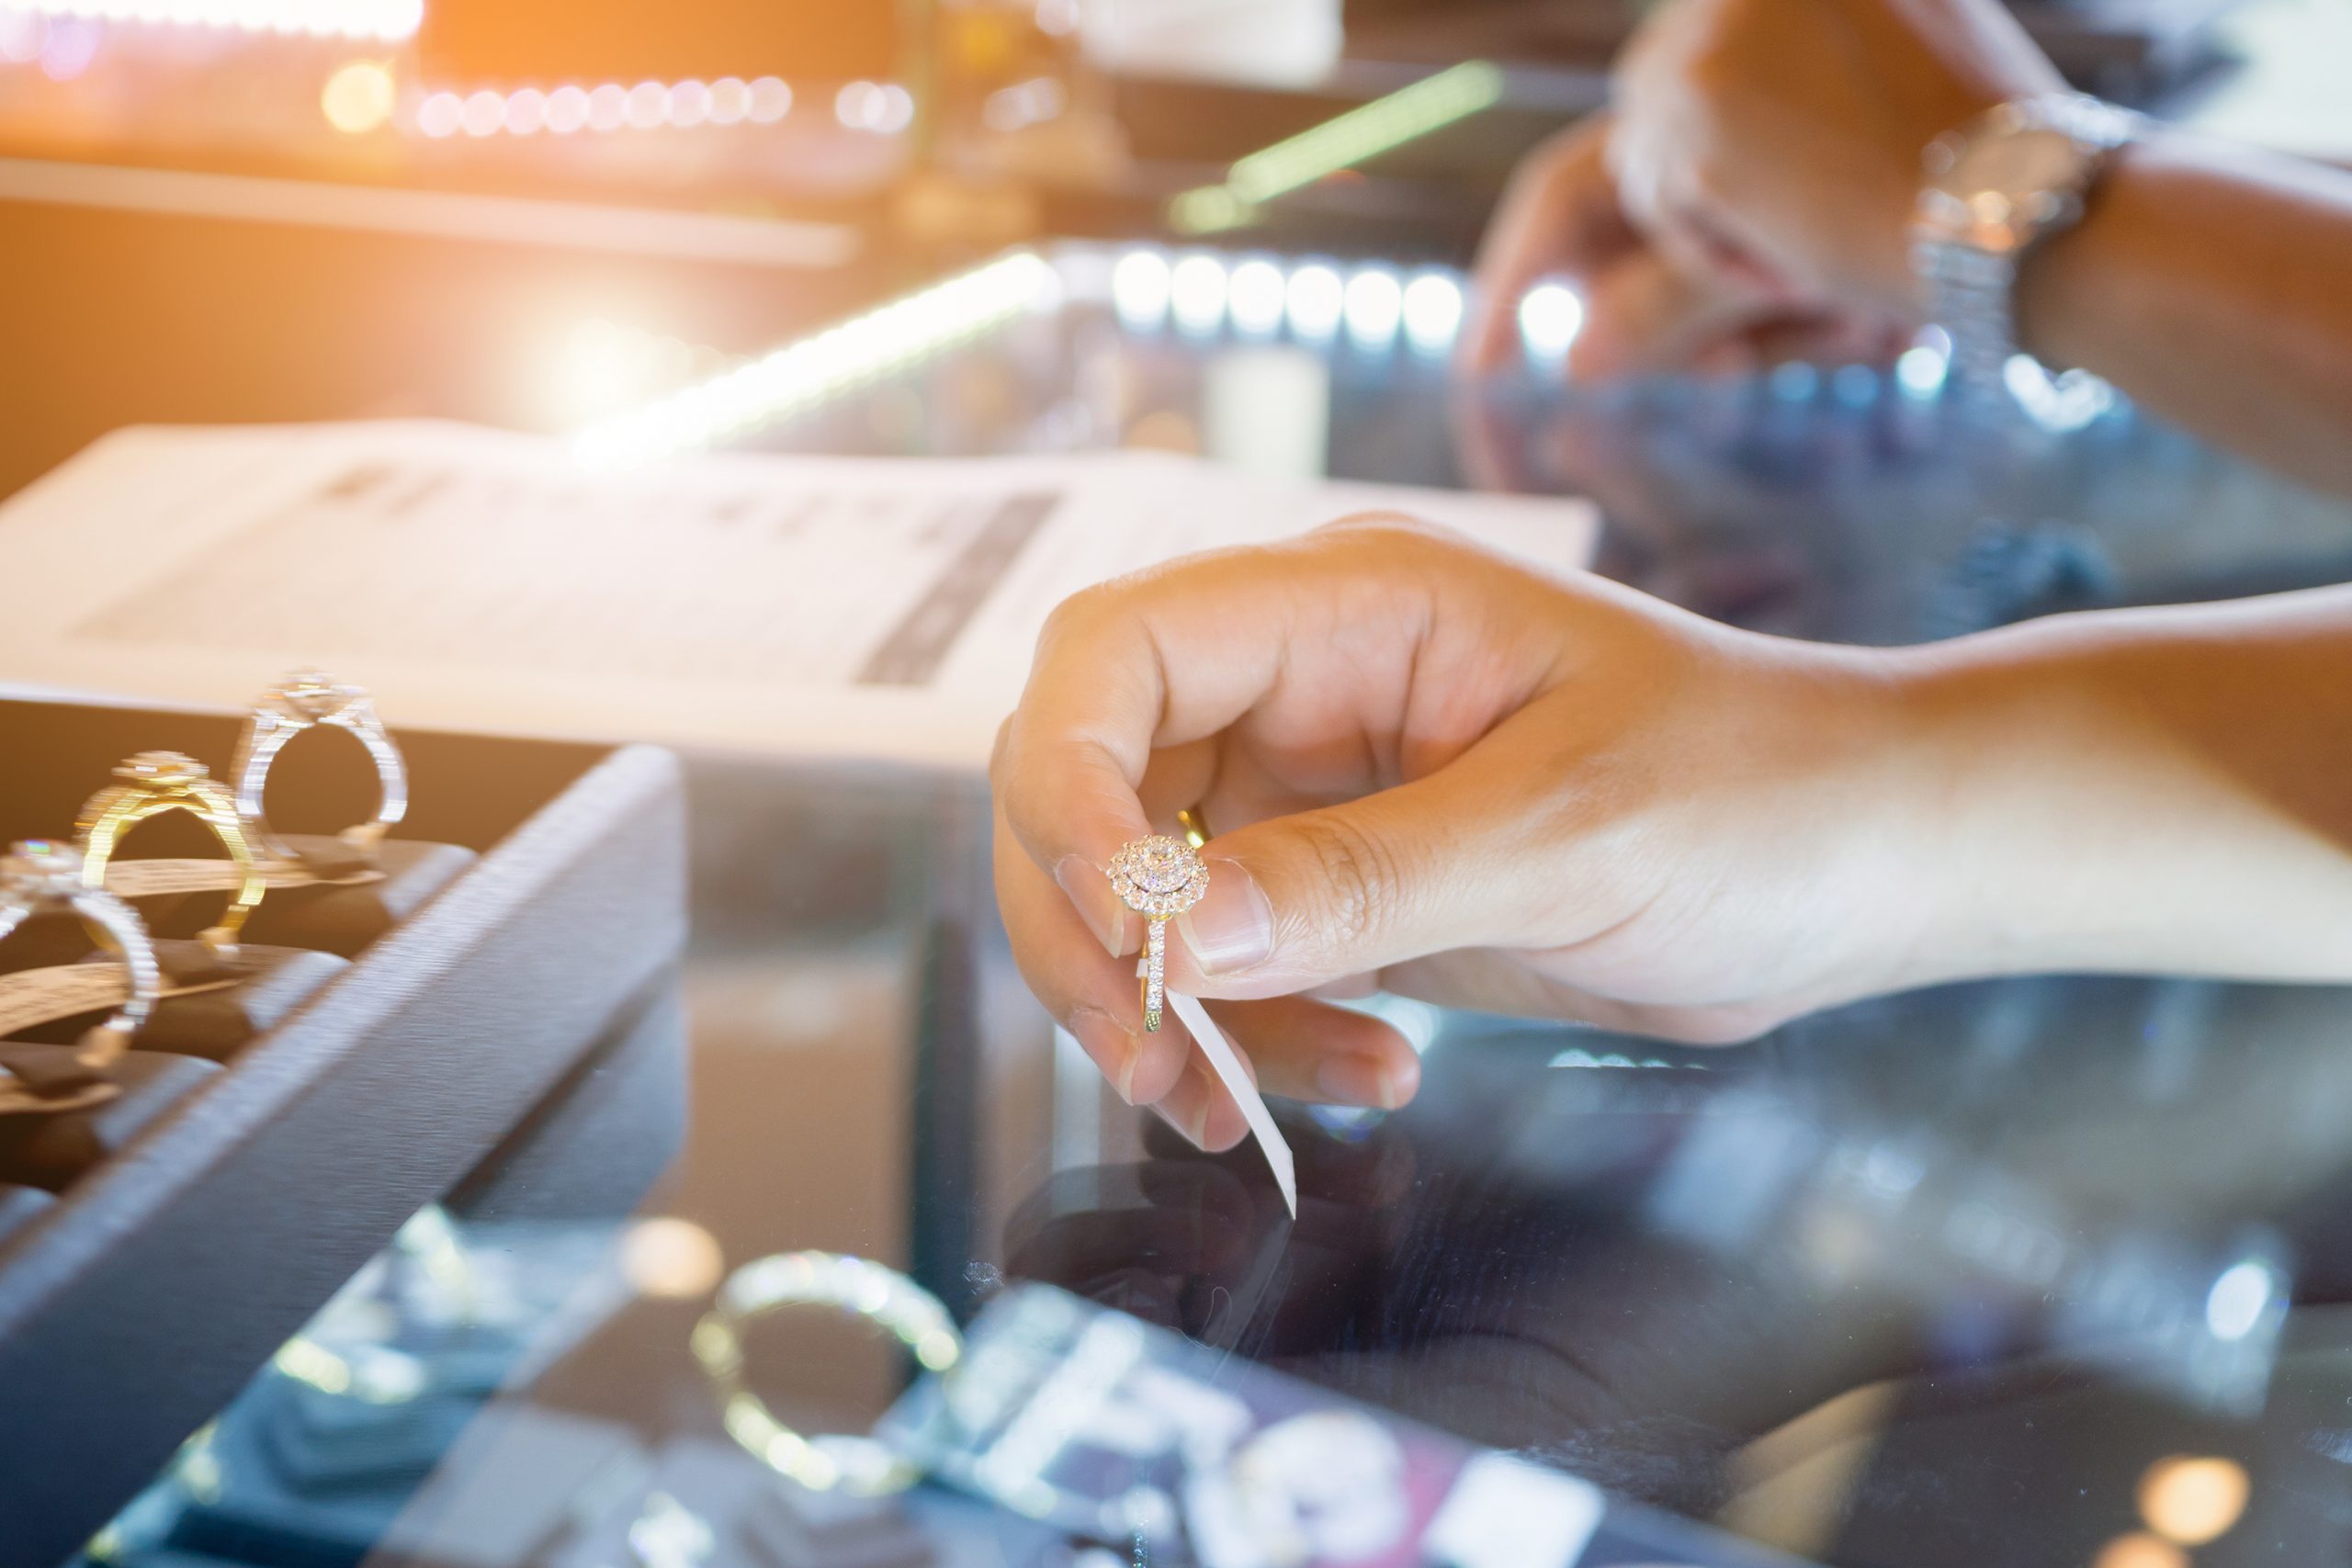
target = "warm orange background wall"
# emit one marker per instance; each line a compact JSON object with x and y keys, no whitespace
{"x":632,"y":40}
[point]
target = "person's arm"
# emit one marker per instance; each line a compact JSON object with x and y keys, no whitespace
{"x":2153,"y":791}
{"x":1438,"y":771}
{"x":2214,"y":285}
{"x":1769,"y":151}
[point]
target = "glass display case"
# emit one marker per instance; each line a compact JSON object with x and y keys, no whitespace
{"x":2033,"y":1269}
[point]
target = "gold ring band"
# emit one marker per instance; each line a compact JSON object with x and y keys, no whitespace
{"x":151,"y":783}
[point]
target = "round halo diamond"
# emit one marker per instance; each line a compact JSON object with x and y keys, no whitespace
{"x":40,"y":870}
{"x":161,"y":768}
{"x":1159,"y":876}
{"x":311,"y":696}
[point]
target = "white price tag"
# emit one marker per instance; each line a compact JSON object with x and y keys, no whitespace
{"x":1220,"y":1053}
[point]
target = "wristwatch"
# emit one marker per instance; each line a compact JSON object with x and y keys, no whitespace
{"x":2010,"y":178}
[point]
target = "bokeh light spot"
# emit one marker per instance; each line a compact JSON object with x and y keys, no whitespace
{"x":359,"y":98}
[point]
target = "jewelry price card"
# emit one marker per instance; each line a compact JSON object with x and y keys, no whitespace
{"x":482,"y":581}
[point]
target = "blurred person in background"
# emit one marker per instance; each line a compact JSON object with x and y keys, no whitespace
{"x":1443,"y":774}
{"x":1751,"y":198}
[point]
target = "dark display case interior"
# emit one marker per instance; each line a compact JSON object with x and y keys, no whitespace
{"x":353,"y":1059}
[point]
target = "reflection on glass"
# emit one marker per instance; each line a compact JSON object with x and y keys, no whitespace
{"x":1257,"y":296}
{"x":1374,"y":305}
{"x":1432,"y":309}
{"x":1140,"y":287}
{"x":1549,"y":318}
{"x":1197,"y":289}
{"x":1316,"y":298}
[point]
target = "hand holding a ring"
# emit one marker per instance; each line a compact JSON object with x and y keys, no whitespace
{"x":1457,"y":778}
{"x":1444,"y":773}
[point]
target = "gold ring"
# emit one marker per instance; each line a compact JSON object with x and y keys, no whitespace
{"x":1159,"y":878}
{"x":150,"y":784}
{"x":845,"y":1284}
{"x":1195,"y":823}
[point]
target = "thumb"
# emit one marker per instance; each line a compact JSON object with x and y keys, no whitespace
{"x":1299,"y":901}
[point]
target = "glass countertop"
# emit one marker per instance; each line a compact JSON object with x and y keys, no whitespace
{"x":2025,"y":1270}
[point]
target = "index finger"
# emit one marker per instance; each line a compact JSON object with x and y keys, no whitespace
{"x":1153,"y":661}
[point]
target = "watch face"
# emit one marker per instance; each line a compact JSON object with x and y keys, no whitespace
{"x":2017,"y":165}
{"x":2003,"y":188}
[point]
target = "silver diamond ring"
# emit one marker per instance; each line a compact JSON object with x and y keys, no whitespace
{"x":39,"y":875}
{"x":305,"y":700}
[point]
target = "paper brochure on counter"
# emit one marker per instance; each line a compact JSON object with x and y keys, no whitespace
{"x":475,"y":579}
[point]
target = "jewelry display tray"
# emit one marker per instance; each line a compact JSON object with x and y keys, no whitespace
{"x":138,"y":1302}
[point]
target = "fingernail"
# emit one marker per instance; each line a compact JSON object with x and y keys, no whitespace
{"x":1232,"y":928}
{"x":1111,"y":1044}
{"x":1354,"y":1080}
{"x":1090,"y":890}
{"x":1187,"y":1128}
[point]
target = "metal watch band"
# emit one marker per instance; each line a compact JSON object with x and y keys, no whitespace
{"x":1971,"y":294}
{"x":1970,"y":289}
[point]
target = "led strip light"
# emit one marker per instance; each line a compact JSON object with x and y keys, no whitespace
{"x":606,"y":106}
{"x":817,"y":369}
{"x":1203,"y":292}
{"x":1199,"y":292}
{"x":1356,"y":137}
{"x":883,"y":108}
{"x":376,"y":20}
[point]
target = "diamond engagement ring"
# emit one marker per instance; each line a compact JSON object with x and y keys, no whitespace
{"x":305,"y":700}
{"x":1158,"y":877}
{"x":39,"y":875}
{"x":148,"y":786}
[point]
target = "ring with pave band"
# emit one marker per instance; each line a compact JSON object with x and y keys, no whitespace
{"x":38,"y":875}
{"x":305,"y":700}
{"x":1158,"y":877}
